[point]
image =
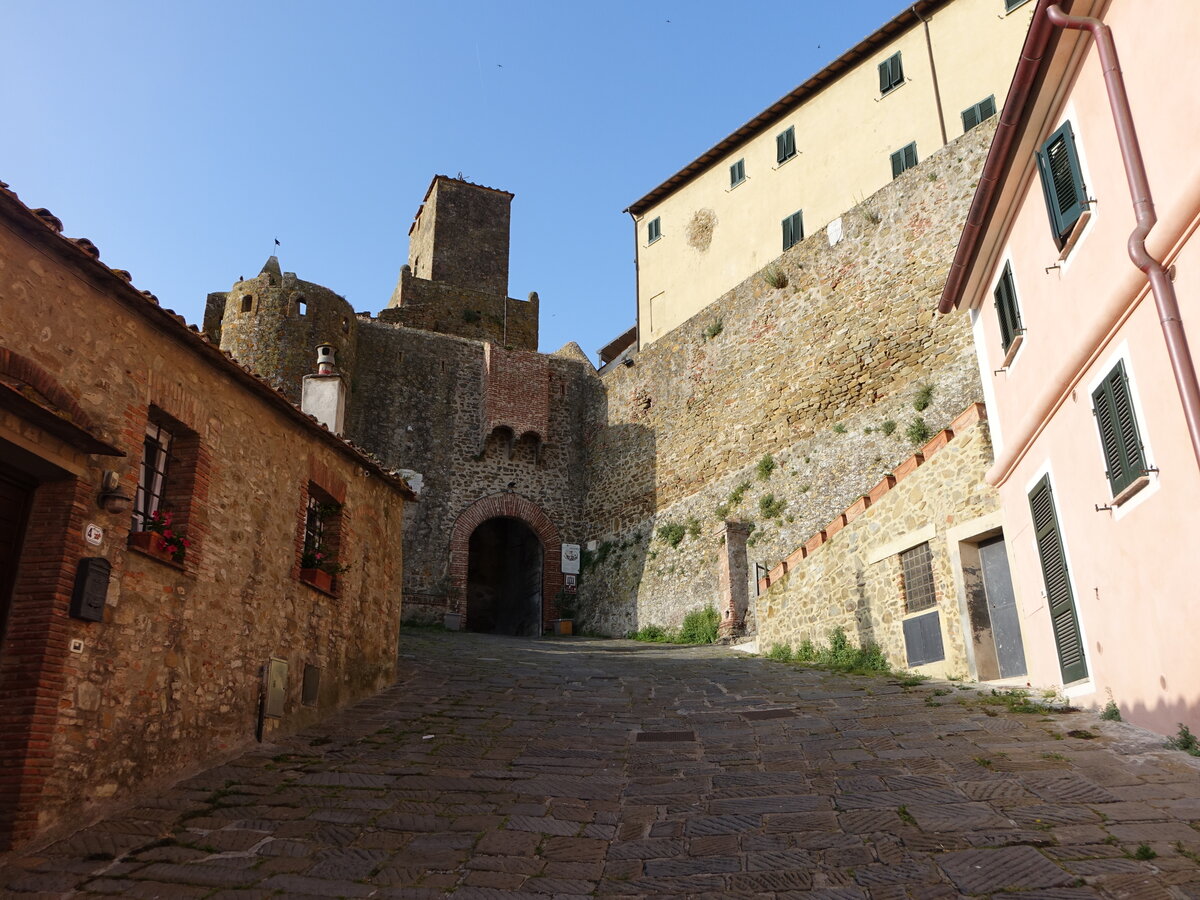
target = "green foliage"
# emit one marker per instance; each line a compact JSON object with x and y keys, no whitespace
{"x":589,"y":559}
{"x":923,"y":399}
{"x":713,"y":329}
{"x":736,"y":495}
{"x":905,"y":815}
{"x":671,"y":533}
{"x":770,"y":507}
{"x":912,"y":680}
{"x":1184,"y":740}
{"x":722,"y":511}
{"x":1016,"y":701}
{"x":918,"y":432}
{"x":888,"y":427}
{"x":842,"y":656}
{"x":839,"y":428}
{"x":653,"y":634}
{"x":471,"y":316}
{"x":765,"y":467}
{"x":804,"y":488}
{"x":700,"y":626}
{"x":806,"y":652}
{"x":1143,"y":851}
{"x":693,"y":526}
{"x":775,"y":276}
{"x":781,"y":652}
{"x":867,"y":429}
{"x":1111,"y":712}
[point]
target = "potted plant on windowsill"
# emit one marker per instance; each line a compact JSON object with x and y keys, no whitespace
{"x":565,"y":603}
{"x":159,"y":538}
{"x":319,"y":570}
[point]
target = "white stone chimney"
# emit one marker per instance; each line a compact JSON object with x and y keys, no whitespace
{"x":323,"y":395}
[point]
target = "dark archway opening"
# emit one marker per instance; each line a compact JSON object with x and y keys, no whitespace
{"x":504,"y":578}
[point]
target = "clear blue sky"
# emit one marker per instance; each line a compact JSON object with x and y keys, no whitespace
{"x":183,"y":138}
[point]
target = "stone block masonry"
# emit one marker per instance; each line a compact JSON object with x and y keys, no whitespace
{"x":822,"y":375}
{"x":851,"y":578}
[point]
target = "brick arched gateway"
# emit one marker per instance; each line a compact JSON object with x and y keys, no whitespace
{"x":514,"y":506}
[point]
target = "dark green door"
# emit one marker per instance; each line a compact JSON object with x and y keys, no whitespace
{"x":1058,"y":583}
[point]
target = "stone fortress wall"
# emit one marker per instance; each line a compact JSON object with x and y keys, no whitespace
{"x":806,"y":375}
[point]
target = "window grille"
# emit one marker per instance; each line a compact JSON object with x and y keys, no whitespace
{"x":156,"y":451}
{"x":314,"y":526}
{"x":916,"y":566}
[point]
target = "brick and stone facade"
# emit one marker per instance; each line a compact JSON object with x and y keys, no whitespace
{"x":171,"y":675}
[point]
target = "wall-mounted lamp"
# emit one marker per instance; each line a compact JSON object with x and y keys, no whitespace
{"x":111,"y":499}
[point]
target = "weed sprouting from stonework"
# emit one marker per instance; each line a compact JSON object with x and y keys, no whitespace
{"x":770,"y":507}
{"x":1143,"y":851}
{"x":1184,"y":740}
{"x":671,"y":533}
{"x":654,"y":634}
{"x":842,"y":656}
{"x":736,"y":495}
{"x":923,"y":399}
{"x":804,"y":488}
{"x":471,"y":316}
{"x":775,"y":277}
{"x":781,"y":652}
{"x":700,"y":626}
{"x":1111,"y":712}
{"x":888,"y":427}
{"x":869,"y":214}
{"x":918,"y":432}
{"x":693,"y":526}
{"x":722,"y":511}
{"x":713,"y":329}
{"x":765,"y":467}
{"x":839,"y":428}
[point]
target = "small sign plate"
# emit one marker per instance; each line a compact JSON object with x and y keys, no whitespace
{"x":93,"y":534}
{"x":570,"y":559}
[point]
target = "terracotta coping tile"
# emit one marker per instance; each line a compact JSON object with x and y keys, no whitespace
{"x":907,"y":467}
{"x":937,"y":442}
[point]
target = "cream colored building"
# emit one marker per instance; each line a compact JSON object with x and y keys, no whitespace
{"x":898,"y":96}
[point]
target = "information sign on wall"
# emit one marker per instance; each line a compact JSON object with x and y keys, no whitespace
{"x":570,"y":559}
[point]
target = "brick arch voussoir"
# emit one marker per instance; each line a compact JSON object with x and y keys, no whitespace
{"x":504,"y":505}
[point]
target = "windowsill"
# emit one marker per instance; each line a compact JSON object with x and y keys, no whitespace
{"x":312,"y":582}
{"x":892,"y":89}
{"x":1012,"y":350}
{"x":1130,"y":490}
{"x":1076,"y":233}
{"x":736,"y":184}
{"x":780,"y":165}
{"x":156,"y":555}
{"x":1010,"y":11}
{"x":655,"y":241}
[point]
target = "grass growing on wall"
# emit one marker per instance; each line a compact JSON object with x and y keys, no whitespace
{"x":838,"y":656}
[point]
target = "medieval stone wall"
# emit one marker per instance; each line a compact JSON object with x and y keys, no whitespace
{"x":815,"y":363}
{"x":450,"y":309}
{"x":853,"y":579}
{"x":171,"y":677}
{"x":420,"y":404}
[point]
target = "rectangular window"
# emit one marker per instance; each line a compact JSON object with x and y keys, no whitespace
{"x":1007,"y":310}
{"x":916,"y":572}
{"x":1010,"y":5}
{"x":737,"y":173}
{"x":314,"y":528}
{"x":891,"y":74}
{"x":152,"y":478}
{"x":1112,"y":406}
{"x":903,"y":159}
{"x":654,"y":230}
{"x":785,"y":145}
{"x":1062,"y":182}
{"x":793,"y":229}
{"x":322,"y":546}
{"x":1057,"y":580}
{"x":980,"y":112}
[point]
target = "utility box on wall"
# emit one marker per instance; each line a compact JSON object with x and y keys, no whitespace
{"x":91,"y":589}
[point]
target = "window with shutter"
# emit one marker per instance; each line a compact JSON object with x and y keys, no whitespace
{"x":737,"y":173}
{"x":1062,"y":182}
{"x":1112,"y":406}
{"x":654,"y":230}
{"x":1057,"y":580}
{"x":1007,"y":310}
{"x":891,"y":74}
{"x":793,"y":230}
{"x":785,"y":145}
{"x":980,"y":112}
{"x":904,"y":159}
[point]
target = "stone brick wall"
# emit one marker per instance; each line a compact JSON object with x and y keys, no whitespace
{"x":272,"y":337}
{"x":460,"y":236}
{"x":170,"y":679}
{"x":450,"y":309}
{"x":420,"y":404}
{"x":849,"y":574}
{"x":808,"y":373}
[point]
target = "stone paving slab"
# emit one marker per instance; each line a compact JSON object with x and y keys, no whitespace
{"x":508,"y":768}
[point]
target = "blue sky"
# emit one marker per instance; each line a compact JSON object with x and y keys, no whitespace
{"x":184,"y":138}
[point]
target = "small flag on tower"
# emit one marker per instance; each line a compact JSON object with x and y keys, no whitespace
{"x":276,"y":242}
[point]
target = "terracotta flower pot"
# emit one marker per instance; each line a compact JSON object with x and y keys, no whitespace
{"x":318,"y":578}
{"x":150,"y":543}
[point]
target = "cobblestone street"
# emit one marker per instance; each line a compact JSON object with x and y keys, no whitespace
{"x":501,"y":767}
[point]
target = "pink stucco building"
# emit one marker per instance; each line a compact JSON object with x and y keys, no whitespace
{"x":1093,"y":405}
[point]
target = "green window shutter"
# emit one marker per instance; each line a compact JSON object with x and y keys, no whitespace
{"x":987,"y":108}
{"x":785,"y":145}
{"x":970,"y":118}
{"x":910,"y":155}
{"x":798,"y":226}
{"x":1006,"y":308}
{"x":1113,"y":408}
{"x":1062,"y":182}
{"x":897,"y":163}
{"x":787,"y":232}
{"x":779,"y":148}
{"x":1058,"y":583}
{"x":885,"y":76}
